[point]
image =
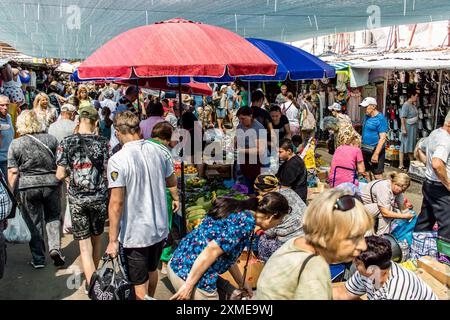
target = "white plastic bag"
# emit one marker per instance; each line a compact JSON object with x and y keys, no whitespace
{"x":67,"y":227}
{"x":17,"y":230}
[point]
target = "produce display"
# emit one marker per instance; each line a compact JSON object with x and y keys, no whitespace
{"x":190,"y":170}
{"x":201,"y":194}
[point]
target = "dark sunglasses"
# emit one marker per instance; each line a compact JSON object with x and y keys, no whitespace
{"x":345,"y":203}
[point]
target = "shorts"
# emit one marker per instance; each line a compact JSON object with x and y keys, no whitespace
{"x":88,"y":218}
{"x":138,"y":262}
{"x":375,"y":168}
{"x":221,"y":113}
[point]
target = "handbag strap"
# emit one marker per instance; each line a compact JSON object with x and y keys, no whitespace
{"x":248,"y":260}
{"x":304,"y":265}
{"x":42,"y":144}
{"x":286,"y":110}
{"x":371,"y":189}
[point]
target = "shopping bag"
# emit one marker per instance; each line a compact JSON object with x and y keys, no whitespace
{"x":17,"y":230}
{"x":424,"y":244}
{"x":109,"y":282}
{"x":67,"y":226}
{"x":403,"y":229}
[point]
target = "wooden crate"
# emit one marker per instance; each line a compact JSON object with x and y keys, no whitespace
{"x":439,"y":289}
{"x":438,"y":270}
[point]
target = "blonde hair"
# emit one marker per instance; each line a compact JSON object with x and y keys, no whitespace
{"x":127,"y":122}
{"x":400,"y":179}
{"x":325,"y":226}
{"x":37,"y":101}
{"x":29,"y":123}
{"x":82,"y":88}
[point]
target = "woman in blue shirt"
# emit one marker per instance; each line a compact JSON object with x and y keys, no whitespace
{"x":214,"y":247}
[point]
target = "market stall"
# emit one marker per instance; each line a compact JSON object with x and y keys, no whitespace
{"x":388,"y":77}
{"x":164,"y":43}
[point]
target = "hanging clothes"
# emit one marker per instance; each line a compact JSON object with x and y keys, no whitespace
{"x":331,"y":96}
{"x":323,"y":107}
{"x":33,"y":80}
{"x":354,"y":111}
{"x":341,"y":81}
{"x":380,"y":96}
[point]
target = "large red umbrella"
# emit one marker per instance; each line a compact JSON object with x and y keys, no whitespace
{"x":177,"y":47}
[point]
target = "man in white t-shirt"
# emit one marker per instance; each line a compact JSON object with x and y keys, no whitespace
{"x":380,"y":278}
{"x":436,"y":188}
{"x":138,"y":175}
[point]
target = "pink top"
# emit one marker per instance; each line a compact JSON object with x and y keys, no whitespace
{"x":147,"y":126}
{"x":347,"y":157}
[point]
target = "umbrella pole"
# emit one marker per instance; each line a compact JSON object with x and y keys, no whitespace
{"x":183,"y":187}
{"x":249,"y":94}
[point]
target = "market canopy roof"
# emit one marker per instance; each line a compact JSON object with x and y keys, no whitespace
{"x":76,"y":28}
{"x":427,"y":60}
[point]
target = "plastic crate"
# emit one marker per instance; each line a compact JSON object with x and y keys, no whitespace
{"x":443,"y":247}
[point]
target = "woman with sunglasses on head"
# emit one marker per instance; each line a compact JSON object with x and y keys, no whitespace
{"x":334,"y":227}
{"x":292,"y":224}
{"x":382,"y":198}
{"x":214,"y":247}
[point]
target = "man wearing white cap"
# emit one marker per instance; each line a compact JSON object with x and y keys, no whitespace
{"x":336,"y":111}
{"x":374,"y":137}
{"x":65,"y":125}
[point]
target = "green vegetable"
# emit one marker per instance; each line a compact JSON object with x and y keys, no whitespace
{"x":196,"y":217}
{"x":190,"y":209}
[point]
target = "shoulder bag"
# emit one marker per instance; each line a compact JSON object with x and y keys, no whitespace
{"x":12,"y":213}
{"x":309,"y":123}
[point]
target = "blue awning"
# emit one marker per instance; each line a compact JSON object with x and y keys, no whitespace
{"x":293,"y":63}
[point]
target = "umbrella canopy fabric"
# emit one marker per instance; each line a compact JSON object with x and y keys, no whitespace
{"x":153,"y":83}
{"x":162,"y":84}
{"x":293,"y":62}
{"x":75,"y":78}
{"x":177,"y":47}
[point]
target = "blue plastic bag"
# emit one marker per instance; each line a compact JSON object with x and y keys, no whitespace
{"x":403,"y":229}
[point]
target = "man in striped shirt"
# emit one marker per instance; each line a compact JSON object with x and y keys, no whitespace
{"x":381,"y":279}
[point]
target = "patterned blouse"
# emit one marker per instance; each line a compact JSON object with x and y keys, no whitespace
{"x":232,"y":234}
{"x":47,"y":116}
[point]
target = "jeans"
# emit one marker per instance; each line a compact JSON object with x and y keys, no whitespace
{"x":41,"y":208}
